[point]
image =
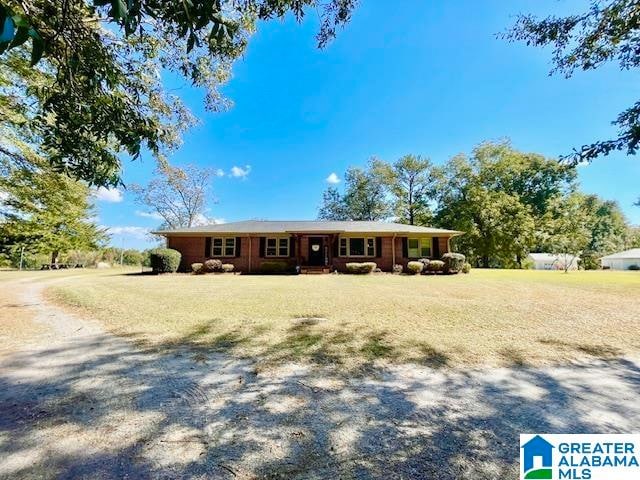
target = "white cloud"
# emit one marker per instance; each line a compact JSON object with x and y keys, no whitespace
{"x":240,"y":172}
{"x":332,"y":178}
{"x":129,"y":231}
{"x":219,"y":172}
{"x":111,"y":195}
{"x":218,"y":221}
{"x":154,"y":215}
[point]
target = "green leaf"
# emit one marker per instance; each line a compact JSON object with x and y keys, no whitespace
{"x":22,"y":35}
{"x":38,"y":48}
{"x":20,"y":21}
{"x":3,"y":17}
{"x":118,"y":9}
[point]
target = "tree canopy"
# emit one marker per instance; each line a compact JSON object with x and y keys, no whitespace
{"x":411,"y":184}
{"x":363,"y":199}
{"x":498,"y":196}
{"x":103,"y":61}
{"x":179,"y":196}
{"x":44,"y":212}
{"x":608,"y":31}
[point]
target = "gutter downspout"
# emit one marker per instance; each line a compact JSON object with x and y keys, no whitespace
{"x":393,"y":252}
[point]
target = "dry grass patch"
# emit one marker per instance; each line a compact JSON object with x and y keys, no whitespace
{"x":491,"y":316}
{"x":17,"y":324}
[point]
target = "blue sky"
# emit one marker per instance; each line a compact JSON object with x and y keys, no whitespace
{"x":428,"y":78}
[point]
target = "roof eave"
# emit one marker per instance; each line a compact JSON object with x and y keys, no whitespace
{"x":165,"y":233}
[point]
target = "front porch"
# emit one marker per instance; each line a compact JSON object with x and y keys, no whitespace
{"x":315,"y":252}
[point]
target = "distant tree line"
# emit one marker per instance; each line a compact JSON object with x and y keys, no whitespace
{"x":507,"y":202}
{"x":111,"y":256}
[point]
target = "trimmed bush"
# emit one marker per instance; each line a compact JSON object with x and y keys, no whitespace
{"x":466,"y":268}
{"x":275,"y":267}
{"x":435,"y":266}
{"x":361,"y":268}
{"x":635,"y":268}
{"x":397,"y":269}
{"x":212,"y":265}
{"x":227,"y":267}
{"x":425,"y":265}
{"x":196,"y":268}
{"x":453,"y":262}
{"x":415,"y":267}
{"x":164,"y":260}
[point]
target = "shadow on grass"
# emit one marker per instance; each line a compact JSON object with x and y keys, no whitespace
{"x":599,"y":351}
{"x":131,"y":413}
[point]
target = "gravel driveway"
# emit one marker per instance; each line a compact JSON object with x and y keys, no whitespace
{"x":78,"y":402}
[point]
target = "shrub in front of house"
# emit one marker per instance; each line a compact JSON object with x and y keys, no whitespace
{"x":196,"y":268}
{"x":453,"y":262}
{"x":275,"y":267}
{"x":415,"y":267}
{"x":425,"y":265}
{"x":361,"y":268}
{"x":397,"y":269}
{"x":634,"y":267}
{"x":164,"y":260}
{"x":212,"y":265}
{"x":227,"y":267}
{"x":435,"y":266}
{"x":466,"y":268}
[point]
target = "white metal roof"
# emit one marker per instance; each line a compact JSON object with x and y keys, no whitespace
{"x":632,"y":253}
{"x":311,"y":226}
{"x":550,"y":257}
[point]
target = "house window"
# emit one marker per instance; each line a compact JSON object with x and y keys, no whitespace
{"x":223,"y":247}
{"x":230,"y":247}
{"x":357,"y":247}
{"x":277,"y":247}
{"x":419,"y":247}
{"x":371,"y":247}
{"x":343,"y":247}
{"x":283,"y":247}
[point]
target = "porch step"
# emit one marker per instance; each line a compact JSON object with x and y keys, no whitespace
{"x":314,"y":270}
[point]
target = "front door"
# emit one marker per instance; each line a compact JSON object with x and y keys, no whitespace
{"x":316,"y":251}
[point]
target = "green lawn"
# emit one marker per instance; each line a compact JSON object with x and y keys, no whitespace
{"x":488,"y":316}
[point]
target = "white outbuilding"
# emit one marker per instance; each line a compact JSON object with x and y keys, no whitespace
{"x":622,"y":260}
{"x":553,"y":261}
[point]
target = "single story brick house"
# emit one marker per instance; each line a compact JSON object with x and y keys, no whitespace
{"x":311,"y":245}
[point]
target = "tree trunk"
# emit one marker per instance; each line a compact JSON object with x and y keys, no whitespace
{"x":485,"y":261}
{"x":54,"y":257}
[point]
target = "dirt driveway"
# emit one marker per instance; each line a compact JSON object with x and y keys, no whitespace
{"x":76,"y":402}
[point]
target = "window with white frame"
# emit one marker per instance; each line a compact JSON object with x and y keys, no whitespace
{"x":223,"y":247}
{"x":419,"y":247}
{"x":277,"y":247}
{"x":357,"y":247}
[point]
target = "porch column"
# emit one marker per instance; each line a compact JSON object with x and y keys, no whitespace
{"x":393,"y":252}
{"x":298,"y":239}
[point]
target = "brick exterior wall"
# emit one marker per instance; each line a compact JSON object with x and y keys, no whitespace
{"x":193,"y":251}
